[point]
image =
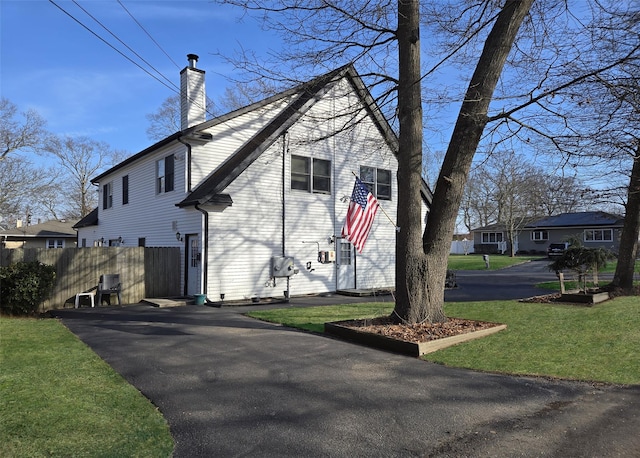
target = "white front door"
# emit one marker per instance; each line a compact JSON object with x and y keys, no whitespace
{"x":194,"y":264}
{"x":345,"y":265}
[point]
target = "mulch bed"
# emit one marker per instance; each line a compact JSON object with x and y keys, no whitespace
{"x":416,"y":333}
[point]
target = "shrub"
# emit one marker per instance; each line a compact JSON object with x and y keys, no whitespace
{"x":24,"y":286}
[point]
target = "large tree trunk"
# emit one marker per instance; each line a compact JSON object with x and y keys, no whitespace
{"x":411,"y":272}
{"x":421,"y":261}
{"x":623,"y":278}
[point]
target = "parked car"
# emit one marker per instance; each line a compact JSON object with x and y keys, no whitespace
{"x":557,"y":249}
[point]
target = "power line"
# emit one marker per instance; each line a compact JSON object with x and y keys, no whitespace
{"x":113,"y":47}
{"x":171,"y":86}
{"x":124,"y":44}
{"x":148,"y":34}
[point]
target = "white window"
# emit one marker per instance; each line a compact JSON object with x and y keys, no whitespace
{"x":55,"y":243}
{"x":107,"y":195}
{"x":598,"y":235}
{"x":539,"y":235}
{"x":491,"y":237}
{"x":310,"y":175}
{"x":345,"y":253}
{"x":165,"y":173}
{"x":378,"y":181}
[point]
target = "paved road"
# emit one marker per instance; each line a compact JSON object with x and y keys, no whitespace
{"x":232,"y":386}
{"x":516,"y":282}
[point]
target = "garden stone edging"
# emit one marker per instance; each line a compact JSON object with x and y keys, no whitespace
{"x":401,"y":346}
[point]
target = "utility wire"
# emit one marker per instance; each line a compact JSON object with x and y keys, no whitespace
{"x":124,"y":44}
{"x":113,"y":47}
{"x":148,"y":34}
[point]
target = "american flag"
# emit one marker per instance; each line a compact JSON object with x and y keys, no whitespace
{"x":362,"y":210}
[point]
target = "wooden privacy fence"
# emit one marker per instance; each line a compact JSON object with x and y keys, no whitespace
{"x":144,"y":271}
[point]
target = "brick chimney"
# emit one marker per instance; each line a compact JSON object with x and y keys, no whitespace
{"x":192,"y":95}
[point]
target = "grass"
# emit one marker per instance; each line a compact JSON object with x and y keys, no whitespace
{"x":597,"y":344}
{"x":475,"y":261}
{"x":58,"y":398}
{"x":568,"y":285}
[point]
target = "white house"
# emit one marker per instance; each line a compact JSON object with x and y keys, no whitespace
{"x":256,"y":198}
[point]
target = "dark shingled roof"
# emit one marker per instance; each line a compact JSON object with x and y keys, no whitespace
{"x":90,"y":220}
{"x":303,"y":97}
{"x":582,"y":219}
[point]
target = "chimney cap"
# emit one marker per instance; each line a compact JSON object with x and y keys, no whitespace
{"x":192,"y":58}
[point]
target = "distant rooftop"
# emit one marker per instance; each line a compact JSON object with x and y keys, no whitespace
{"x":578,"y":219}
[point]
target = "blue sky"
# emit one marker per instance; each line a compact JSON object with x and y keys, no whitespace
{"x":81,"y":86}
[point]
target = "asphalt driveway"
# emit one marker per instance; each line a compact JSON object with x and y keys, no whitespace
{"x":232,"y":386}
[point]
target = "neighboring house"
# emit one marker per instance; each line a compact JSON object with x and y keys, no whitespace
{"x":491,"y":239}
{"x":51,"y":234}
{"x":256,"y":199}
{"x":594,"y":229}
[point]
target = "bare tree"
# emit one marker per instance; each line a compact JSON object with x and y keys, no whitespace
{"x":541,"y":65}
{"x":80,"y":159}
{"x":24,"y":131}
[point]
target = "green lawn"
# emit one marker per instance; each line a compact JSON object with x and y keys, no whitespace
{"x":58,"y":398}
{"x":597,"y":343}
{"x":475,"y":261}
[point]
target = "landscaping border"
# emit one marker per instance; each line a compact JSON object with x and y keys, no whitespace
{"x":403,"y":347}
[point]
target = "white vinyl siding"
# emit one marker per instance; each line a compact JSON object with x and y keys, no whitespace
{"x":267,"y":217}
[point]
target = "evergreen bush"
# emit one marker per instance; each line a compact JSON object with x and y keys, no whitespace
{"x":24,"y":286}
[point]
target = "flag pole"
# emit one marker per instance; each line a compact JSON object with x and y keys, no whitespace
{"x":381,"y":208}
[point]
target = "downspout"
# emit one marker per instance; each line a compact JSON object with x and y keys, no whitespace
{"x":206,"y":220}
{"x":284,"y":206}
{"x":205,"y":248}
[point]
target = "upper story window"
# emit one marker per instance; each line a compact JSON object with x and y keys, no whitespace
{"x":598,"y":235}
{"x":378,"y":181}
{"x":310,"y":175}
{"x":107,"y":195}
{"x":165,"y":173}
{"x":537,"y":236}
{"x":492,"y":237}
{"x":125,"y":190}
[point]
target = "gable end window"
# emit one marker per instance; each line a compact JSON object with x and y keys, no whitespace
{"x":311,"y":175}
{"x":125,"y":190}
{"x":598,"y":235}
{"x":165,"y":174}
{"x":378,"y":181}
{"x":107,"y":195}
{"x":538,"y":236}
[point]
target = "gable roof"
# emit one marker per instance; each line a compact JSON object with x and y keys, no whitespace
{"x":301,"y":98}
{"x":304,"y":96}
{"x":582,"y":219}
{"x":48,"y":229}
